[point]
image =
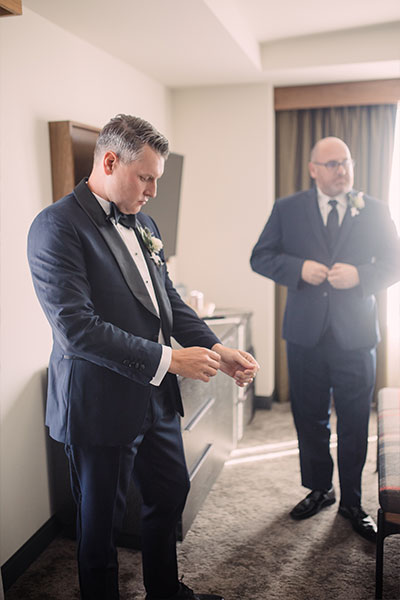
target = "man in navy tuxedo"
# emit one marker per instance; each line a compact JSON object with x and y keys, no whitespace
{"x":113,"y":398}
{"x":333,"y":248}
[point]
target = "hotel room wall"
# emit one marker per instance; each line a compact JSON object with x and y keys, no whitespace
{"x":227,"y":136}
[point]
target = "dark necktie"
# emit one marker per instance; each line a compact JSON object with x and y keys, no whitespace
{"x":121,"y":218}
{"x":332,"y":224}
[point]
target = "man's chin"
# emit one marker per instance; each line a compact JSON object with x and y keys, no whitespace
{"x":140,"y":206}
{"x":341,"y":189}
{"x":137,"y":209}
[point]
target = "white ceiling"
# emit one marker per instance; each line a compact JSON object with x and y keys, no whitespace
{"x":206,"y":42}
{"x":305,"y":17}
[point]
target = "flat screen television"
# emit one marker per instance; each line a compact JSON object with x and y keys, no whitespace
{"x":164,"y":208}
{"x":72,"y":145}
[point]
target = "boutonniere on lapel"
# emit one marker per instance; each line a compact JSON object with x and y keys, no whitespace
{"x":152,"y":243}
{"x":356,"y":202}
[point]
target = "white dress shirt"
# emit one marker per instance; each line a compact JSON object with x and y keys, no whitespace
{"x":325,"y":207}
{"x":131,"y":242}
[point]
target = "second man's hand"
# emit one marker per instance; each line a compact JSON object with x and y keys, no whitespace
{"x":341,"y":276}
{"x":313,"y":272}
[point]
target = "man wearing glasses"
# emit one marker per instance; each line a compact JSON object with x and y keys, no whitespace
{"x":334,"y":248}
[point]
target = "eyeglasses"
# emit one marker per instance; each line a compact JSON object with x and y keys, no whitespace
{"x":333,"y":165}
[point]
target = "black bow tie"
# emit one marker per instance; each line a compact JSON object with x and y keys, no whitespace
{"x":121,"y":218}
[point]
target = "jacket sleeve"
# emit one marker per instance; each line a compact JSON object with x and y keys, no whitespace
{"x":383,"y":268}
{"x":60,"y":280}
{"x":269,"y":257}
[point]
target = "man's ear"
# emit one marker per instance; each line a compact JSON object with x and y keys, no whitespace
{"x":109,"y":162}
{"x":312,"y":170}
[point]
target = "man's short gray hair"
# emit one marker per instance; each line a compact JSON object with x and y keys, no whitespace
{"x":126,"y":136}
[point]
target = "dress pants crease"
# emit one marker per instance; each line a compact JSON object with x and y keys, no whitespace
{"x":311,"y":407}
{"x":98,"y":492}
{"x":161,"y":474}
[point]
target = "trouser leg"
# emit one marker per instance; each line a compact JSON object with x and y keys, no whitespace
{"x":100,"y":479}
{"x":353,"y":380}
{"x":310,"y":401}
{"x":161,"y":475}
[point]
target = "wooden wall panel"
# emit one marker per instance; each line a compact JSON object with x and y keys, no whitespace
{"x":71,"y":148}
{"x":10,"y":7}
{"x":359,"y":93}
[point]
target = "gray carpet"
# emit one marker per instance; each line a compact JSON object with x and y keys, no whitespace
{"x":243,"y":544}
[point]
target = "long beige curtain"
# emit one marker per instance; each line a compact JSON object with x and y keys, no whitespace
{"x":369,"y":133}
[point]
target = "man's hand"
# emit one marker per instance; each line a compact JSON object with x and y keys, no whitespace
{"x":314,"y":272}
{"x":240,"y":365}
{"x":195,"y":362}
{"x":343,"y":276}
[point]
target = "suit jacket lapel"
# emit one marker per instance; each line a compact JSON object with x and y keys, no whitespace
{"x":314,"y":217}
{"x":117,"y":247}
{"x":344,"y":231}
{"x":159,"y":286}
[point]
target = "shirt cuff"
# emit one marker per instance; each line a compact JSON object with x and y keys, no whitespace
{"x":163,"y":366}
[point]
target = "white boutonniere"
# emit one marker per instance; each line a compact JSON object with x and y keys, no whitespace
{"x":356,"y":202}
{"x":153,"y":244}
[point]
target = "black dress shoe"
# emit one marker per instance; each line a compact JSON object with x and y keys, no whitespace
{"x":185,"y":593}
{"x":360,"y":521}
{"x":313,"y":503}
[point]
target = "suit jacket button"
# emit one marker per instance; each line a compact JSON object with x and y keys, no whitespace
{"x":325,"y":294}
{"x":126,"y":362}
{"x":142,"y":367}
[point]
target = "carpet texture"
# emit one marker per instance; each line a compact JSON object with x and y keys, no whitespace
{"x":243,"y":544}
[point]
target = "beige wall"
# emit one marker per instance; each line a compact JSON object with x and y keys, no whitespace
{"x":45,"y":74}
{"x":227,"y":136}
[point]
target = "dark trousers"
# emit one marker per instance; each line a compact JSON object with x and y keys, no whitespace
{"x":317,"y":374}
{"x":100,"y":477}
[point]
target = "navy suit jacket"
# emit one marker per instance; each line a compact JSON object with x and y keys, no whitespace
{"x":368,"y":240}
{"x":105,"y":327}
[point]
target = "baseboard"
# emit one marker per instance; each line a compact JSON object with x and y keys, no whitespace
{"x":263,"y":402}
{"x":17,"y":564}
